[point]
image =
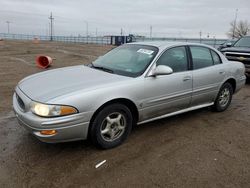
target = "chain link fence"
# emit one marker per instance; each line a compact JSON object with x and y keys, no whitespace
{"x":209,"y":41}
{"x":105,"y":40}
{"x":75,"y":39}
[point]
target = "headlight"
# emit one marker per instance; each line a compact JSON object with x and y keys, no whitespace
{"x":47,"y":110}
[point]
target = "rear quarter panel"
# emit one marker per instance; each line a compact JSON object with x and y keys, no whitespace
{"x":236,"y":70}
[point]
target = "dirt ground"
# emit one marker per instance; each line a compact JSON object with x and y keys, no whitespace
{"x":196,"y":149}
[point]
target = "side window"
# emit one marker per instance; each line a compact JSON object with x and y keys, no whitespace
{"x":176,"y":58}
{"x":201,"y":57}
{"x":216,"y":58}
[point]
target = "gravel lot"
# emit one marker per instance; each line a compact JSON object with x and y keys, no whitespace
{"x":196,"y":149}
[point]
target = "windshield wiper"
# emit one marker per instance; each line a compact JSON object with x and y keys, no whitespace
{"x":101,"y":68}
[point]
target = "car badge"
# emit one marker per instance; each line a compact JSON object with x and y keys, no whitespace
{"x":242,"y":58}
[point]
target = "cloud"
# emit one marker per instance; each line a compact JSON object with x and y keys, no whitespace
{"x":169,"y":18}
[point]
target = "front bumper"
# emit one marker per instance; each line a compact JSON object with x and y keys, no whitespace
{"x":240,"y":57}
{"x":240,"y":83}
{"x":247,"y":70}
{"x":68,"y":128}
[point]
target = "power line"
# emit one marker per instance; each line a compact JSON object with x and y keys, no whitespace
{"x":51,"y":26}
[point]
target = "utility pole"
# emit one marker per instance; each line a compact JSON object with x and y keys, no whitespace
{"x":200,"y":35}
{"x":51,"y":26}
{"x":96,"y":31}
{"x":87,"y":28}
{"x":121,"y":32}
{"x":236,"y":14}
{"x":87,"y":31}
{"x":8,"y":26}
{"x":151,"y":31}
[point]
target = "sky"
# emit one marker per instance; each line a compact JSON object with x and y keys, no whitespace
{"x":168,"y":18}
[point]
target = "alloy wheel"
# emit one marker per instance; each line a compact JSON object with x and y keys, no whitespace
{"x":113,"y":126}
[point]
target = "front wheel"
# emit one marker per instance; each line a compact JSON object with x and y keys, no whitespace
{"x":224,"y":97}
{"x":111,"y":126}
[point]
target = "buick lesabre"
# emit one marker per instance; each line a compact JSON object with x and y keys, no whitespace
{"x":132,"y":84}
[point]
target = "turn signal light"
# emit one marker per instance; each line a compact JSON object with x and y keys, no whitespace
{"x":48,"y":132}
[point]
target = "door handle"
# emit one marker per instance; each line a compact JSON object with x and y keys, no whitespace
{"x":186,"y":78}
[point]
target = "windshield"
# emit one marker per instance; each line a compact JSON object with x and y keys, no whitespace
{"x":127,"y":60}
{"x":243,"y":42}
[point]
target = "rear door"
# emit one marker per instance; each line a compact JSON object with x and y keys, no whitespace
{"x":208,"y":74}
{"x":169,"y":93}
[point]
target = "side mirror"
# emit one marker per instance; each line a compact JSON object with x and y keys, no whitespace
{"x":229,"y":44}
{"x":162,"y":70}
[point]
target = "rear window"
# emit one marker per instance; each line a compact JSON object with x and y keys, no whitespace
{"x":201,"y":57}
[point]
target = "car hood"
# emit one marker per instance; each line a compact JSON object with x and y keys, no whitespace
{"x":236,"y":49}
{"x":48,"y":85}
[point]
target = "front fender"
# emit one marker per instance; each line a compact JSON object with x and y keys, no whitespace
{"x":90,"y":101}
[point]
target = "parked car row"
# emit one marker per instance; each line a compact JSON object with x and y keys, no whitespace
{"x":227,"y":44}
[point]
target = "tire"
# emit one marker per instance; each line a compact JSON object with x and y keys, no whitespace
{"x":224,"y":97}
{"x":111,"y":126}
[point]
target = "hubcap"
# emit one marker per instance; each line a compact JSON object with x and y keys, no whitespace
{"x":113,"y":126}
{"x":224,"y":97}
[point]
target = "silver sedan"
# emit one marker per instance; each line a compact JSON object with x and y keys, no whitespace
{"x":132,"y":84}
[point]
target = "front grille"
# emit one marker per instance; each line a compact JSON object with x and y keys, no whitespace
{"x":235,"y":56}
{"x":20,"y":102}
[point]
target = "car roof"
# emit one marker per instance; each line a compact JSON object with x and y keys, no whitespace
{"x":166,"y":44}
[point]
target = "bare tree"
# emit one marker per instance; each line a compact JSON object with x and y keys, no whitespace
{"x":239,"y":29}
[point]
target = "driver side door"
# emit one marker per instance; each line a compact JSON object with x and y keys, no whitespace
{"x":169,"y":93}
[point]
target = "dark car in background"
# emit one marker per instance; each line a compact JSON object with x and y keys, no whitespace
{"x":226,"y":44}
{"x":240,"y":51}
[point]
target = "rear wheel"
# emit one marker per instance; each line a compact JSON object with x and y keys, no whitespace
{"x":224,"y":97}
{"x":111,"y":126}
